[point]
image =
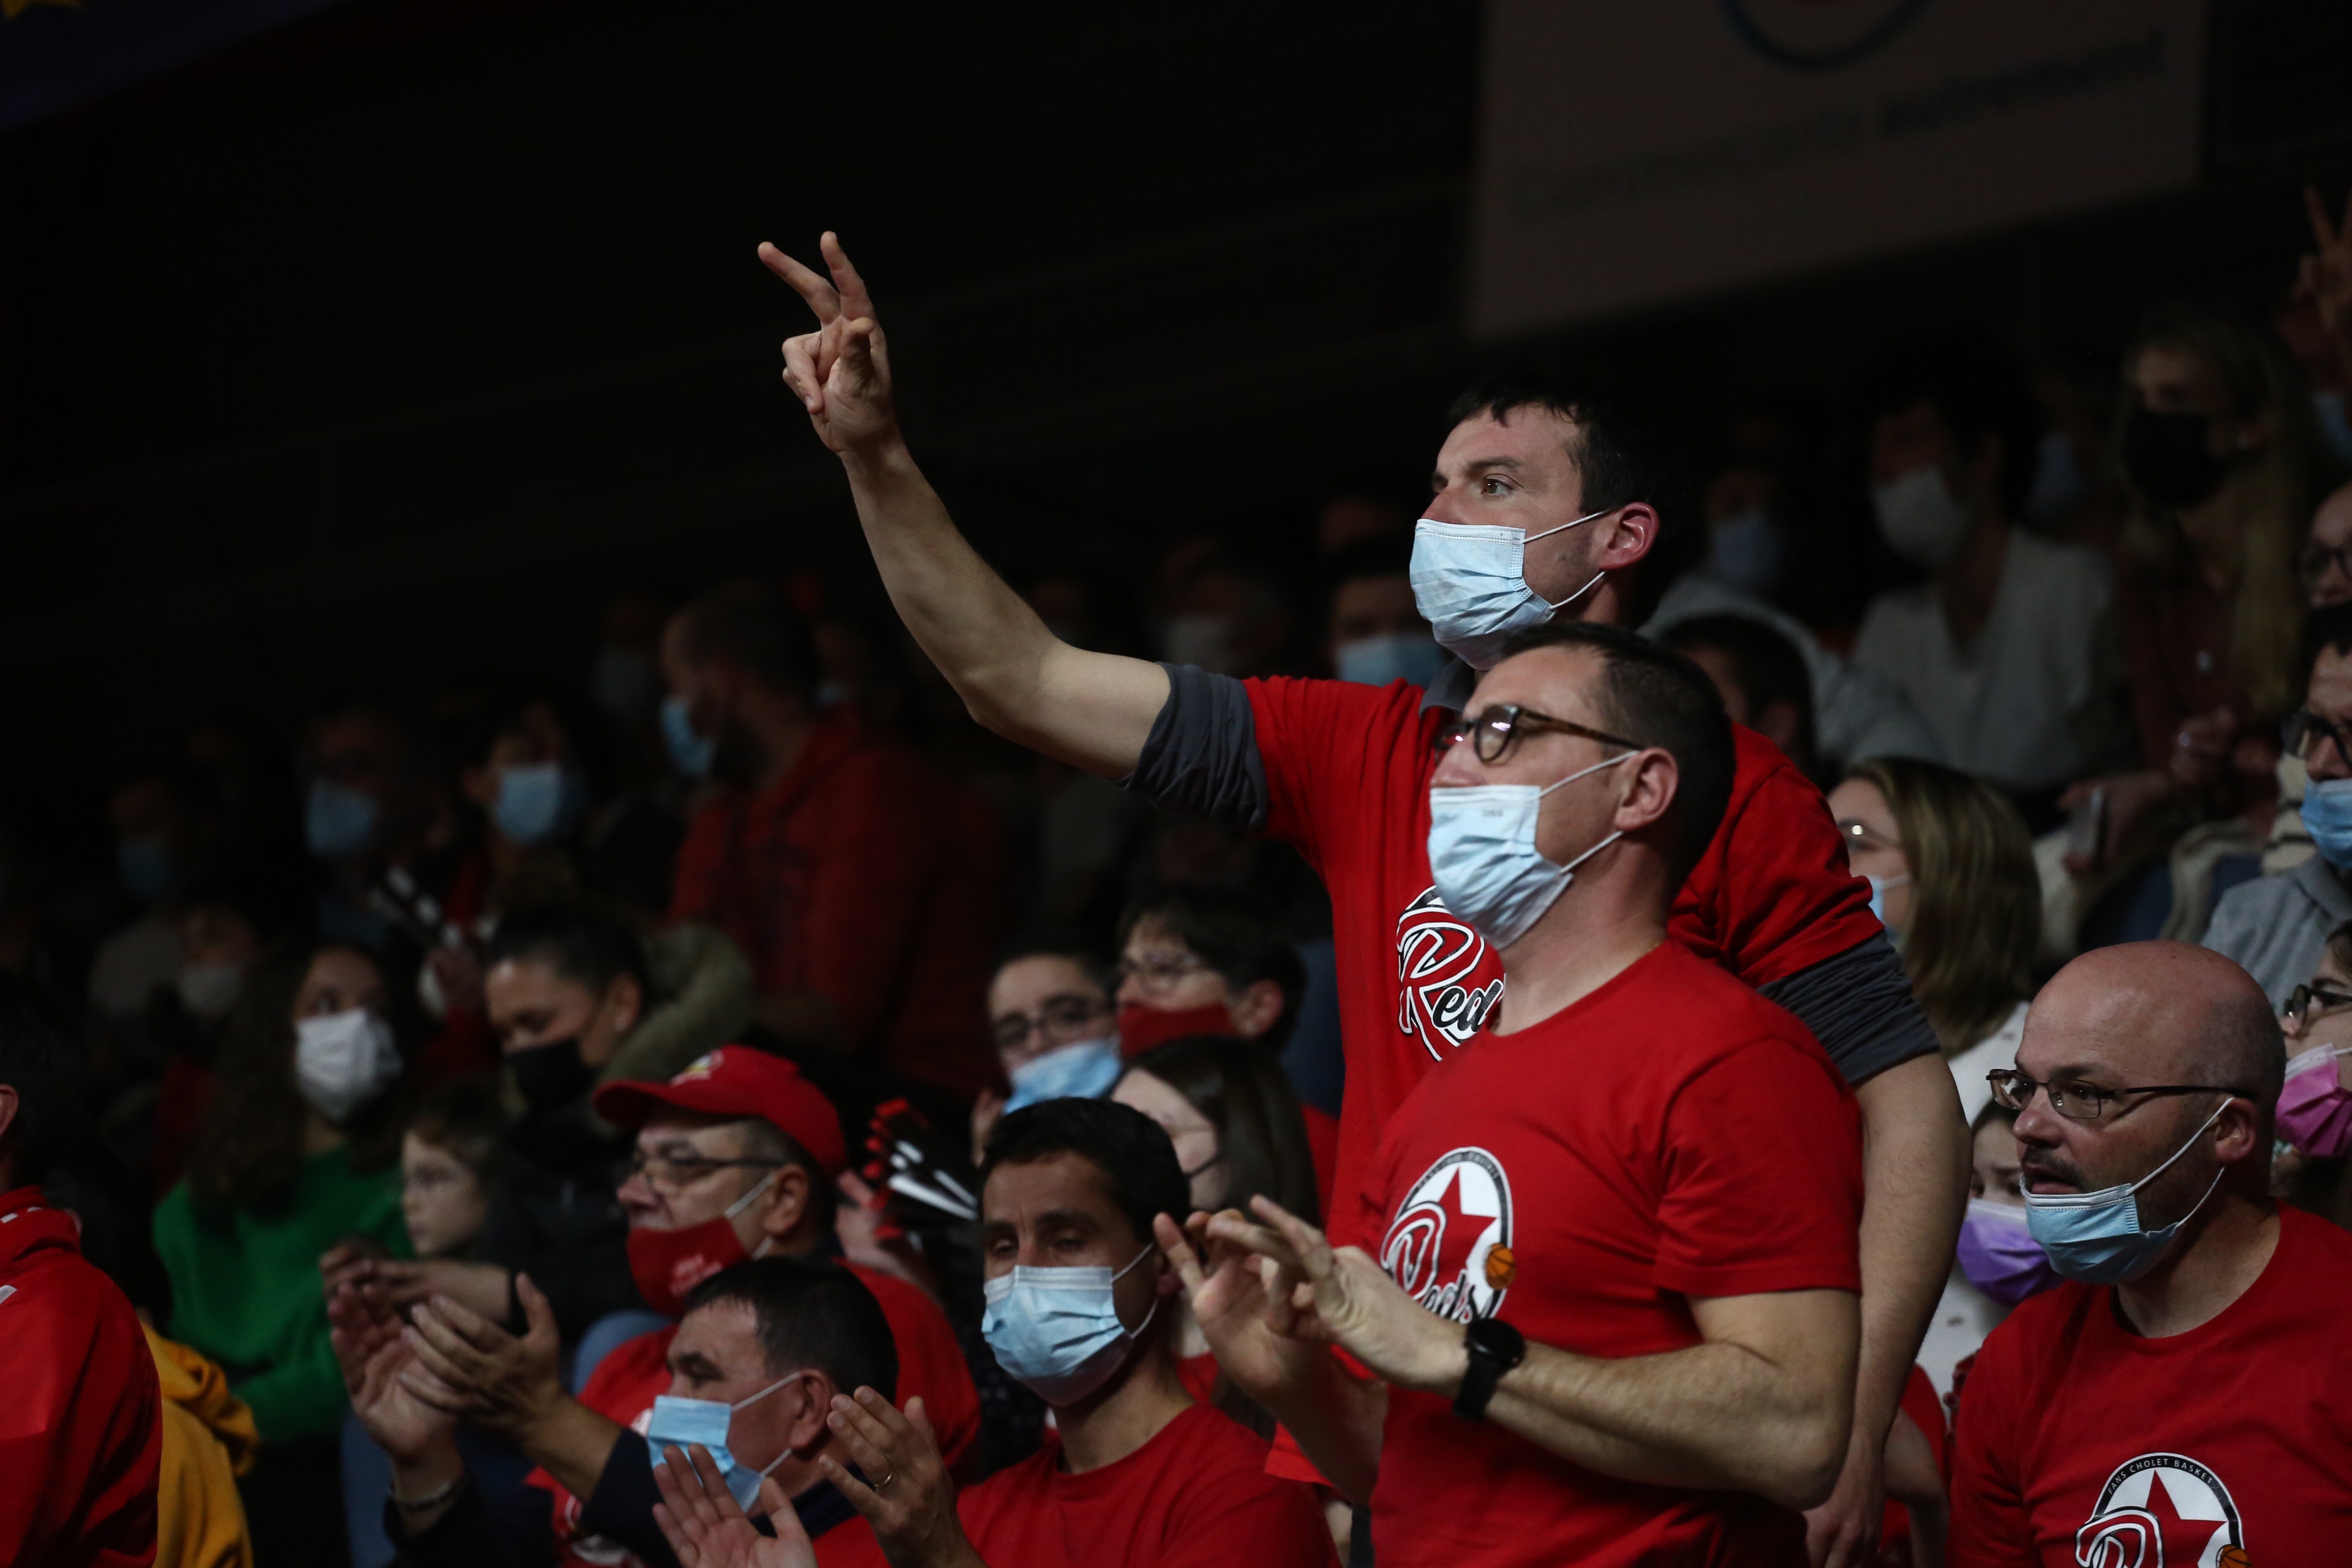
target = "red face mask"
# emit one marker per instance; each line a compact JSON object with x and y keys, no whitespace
{"x":667,"y":1264}
{"x":1142,"y":1027}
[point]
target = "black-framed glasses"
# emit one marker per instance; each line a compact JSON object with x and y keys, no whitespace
{"x":670,"y":1174}
{"x":1063,"y":1020}
{"x":2302,"y":731}
{"x":1493,"y":733}
{"x":2078,"y":1100}
{"x":2301,"y":1001}
{"x":2313,"y":560}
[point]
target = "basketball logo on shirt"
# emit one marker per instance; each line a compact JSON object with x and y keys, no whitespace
{"x":1437,"y":956}
{"x":1449,"y":1243}
{"x":2162,"y":1510}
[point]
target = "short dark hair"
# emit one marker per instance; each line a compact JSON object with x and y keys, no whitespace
{"x":2329,"y":628}
{"x":751,"y":627}
{"x":1658,"y":698}
{"x":1625,"y":451}
{"x":1133,"y":1153}
{"x":1978,"y":388}
{"x":42,"y":1059}
{"x":464,"y":1119}
{"x":811,"y":1314}
{"x":1766,"y":665}
{"x":1233,"y":932}
{"x":579,"y":940}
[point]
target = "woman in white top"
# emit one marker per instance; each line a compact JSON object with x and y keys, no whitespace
{"x":1951,"y":873}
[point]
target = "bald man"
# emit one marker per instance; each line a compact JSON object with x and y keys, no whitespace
{"x":2180,"y":1400}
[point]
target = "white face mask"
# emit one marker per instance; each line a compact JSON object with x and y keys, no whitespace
{"x":1471,"y":585}
{"x":343,"y":1061}
{"x":1920,"y":519}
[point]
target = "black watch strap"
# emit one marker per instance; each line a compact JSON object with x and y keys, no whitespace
{"x":1495,"y":1349}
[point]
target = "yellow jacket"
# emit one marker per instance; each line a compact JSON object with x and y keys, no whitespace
{"x":208,"y":1441}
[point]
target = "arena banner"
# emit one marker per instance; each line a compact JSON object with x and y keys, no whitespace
{"x":55,"y":54}
{"x":1634,"y":153}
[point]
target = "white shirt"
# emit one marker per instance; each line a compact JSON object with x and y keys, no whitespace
{"x":1995,"y":1051}
{"x":2033,"y":702}
{"x":1964,"y":1314}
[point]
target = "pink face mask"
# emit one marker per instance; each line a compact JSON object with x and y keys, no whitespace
{"x":2314,"y":1110}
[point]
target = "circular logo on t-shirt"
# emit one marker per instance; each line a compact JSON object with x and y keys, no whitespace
{"x":1449,"y":1243}
{"x":2162,"y":1510}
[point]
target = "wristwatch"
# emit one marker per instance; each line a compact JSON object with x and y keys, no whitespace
{"x":1495,"y":1349}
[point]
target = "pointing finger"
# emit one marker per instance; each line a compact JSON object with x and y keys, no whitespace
{"x":813,"y":289}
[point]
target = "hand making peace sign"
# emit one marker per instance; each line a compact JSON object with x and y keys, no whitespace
{"x":841,"y":372}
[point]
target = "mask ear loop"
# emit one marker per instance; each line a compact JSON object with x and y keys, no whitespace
{"x":1547,"y":533}
{"x":1597,"y":848}
{"x":1137,"y":1333}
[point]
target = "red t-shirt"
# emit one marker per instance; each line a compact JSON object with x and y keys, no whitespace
{"x":81,"y":1421}
{"x":2079,"y":1442}
{"x":625,"y":1384}
{"x":859,"y":876}
{"x":1696,"y":1142}
{"x":1196,"y":1495}
{"x":1346,"y":771}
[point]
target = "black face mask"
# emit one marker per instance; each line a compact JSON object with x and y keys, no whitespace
{"x":2168,"y":459}
{"x":551,"y":1076}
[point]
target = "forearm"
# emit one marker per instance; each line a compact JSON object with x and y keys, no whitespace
{"x":1092,"y":710}
{"x":571,"y":1443}
{"x":1337,"y":1418}
{"x":1915,"y":1189}
{"x":432,"y":1472}
{"x":1714,"y":1416}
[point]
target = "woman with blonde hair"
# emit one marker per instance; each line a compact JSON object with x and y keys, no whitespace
{"x":2217,"y":444}
{"x":1951,"y":873}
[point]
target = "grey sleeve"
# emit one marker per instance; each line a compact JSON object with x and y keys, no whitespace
{"x":1859,"y":1006}
{"x":1201,"y":757}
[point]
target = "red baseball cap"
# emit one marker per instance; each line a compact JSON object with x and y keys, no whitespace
{"x":736,"y":1080}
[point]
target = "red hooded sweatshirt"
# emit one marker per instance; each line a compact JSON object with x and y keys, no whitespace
{"x":81,"y":1417}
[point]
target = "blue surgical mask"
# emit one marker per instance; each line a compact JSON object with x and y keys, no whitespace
{"x":679,"y":1421}
{"x":692,"y":753}
{"x":1471,"y":585}
{"x":1745,"y":551}
{"x":1057,"y":1330}
{"x":1411,"y":657}
{"x":1082,"y":1071}
{"x":2096,"y":1237}
{"x":1878,"y":886}
{"x":1484,"y":859}
{"x":339,"y":821}
{"x":2327,"y":815}
{"x":146,"y":869}
{"x":537,"y":802}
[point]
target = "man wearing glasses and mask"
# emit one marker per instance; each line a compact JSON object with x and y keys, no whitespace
{"x":1546,"y":501}
{"x":2276,"y":926}
{"x":2180,"y":1400}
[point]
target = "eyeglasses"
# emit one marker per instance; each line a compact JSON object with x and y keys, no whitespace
{"x":1493,"y":732}
{"x":1062,"y":1019}
{"x":669,"y":1174}
{"x":2303,"y":730}
{"x":1156,"y":972}
{"x":2079,"y":1101}
{"x":2313,"y":560}
{"x":2304,"y":999}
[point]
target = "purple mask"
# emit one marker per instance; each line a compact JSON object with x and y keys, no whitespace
{"x":2315,"y":1110}
{"x":2000,"y":1256}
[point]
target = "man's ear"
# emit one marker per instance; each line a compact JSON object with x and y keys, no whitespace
{"x":1256,"y":1009}
{"x":807,"y":1402}
{"x":625,"y":1001}
{"x":1652,"y":791}
{"x":2236,"y":1132}
{"x":787,"y":1201}
{"x":1633,"y":534}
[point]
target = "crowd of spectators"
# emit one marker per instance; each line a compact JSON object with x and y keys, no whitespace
{"x":837,"y":1087}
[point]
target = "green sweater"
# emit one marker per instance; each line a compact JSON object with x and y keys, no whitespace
{"x":245,"y":1290}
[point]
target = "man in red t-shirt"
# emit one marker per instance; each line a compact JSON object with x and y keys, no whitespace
{"x":1608,"y":1269}
{"x":81,"y":1415}
{"x":862,"y":887}
{"x":1134,"y":1473}
{"x":1546,"y":502}
{"x":2182,"y":1399}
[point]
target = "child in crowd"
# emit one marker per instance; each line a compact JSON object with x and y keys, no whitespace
{"x":448,"y":1159}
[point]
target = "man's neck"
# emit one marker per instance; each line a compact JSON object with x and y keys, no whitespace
{"x":2199,"y":1280}
{"x":1970,"y":584}
{"x":1116,"y":1420}
{"x":1597,"y":931}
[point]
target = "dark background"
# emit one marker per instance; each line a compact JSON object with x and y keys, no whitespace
{"x":382,"y":350}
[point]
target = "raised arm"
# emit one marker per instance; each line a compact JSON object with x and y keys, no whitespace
{"x":1092,"y":710}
